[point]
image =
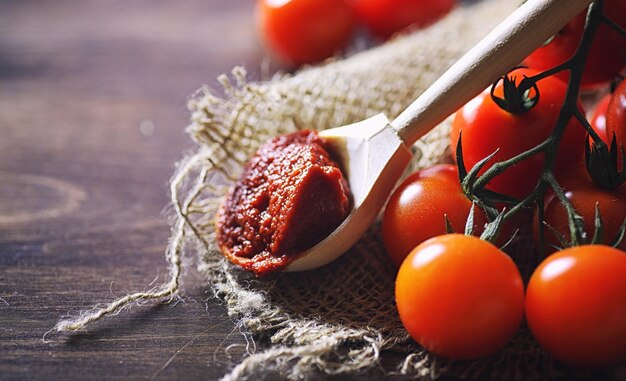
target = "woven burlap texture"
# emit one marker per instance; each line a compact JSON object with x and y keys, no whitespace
{"x":337,"y":319}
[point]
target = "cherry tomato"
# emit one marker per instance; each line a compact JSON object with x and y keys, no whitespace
{"x":415,"y":211}
{"x":598,"y":118}
{"x":616,"y":118}
{"x":606,"y":57}
{"x":305,"y":31}
{"x":583,"y":194}
{"x":576,"y":305}
{"x":486,"y":128}
{"x":459,"y":296}
{"x":386,"y":17}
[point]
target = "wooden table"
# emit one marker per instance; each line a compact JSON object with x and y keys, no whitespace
{"x":92,"y":116}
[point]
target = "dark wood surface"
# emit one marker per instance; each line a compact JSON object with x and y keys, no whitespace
{"x":92,"y":115}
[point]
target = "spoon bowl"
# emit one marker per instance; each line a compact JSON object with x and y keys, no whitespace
{"x":375,"y":152}
{"x":373,"y":158}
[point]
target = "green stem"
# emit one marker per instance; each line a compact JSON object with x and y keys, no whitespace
{"x":601,"y":148}
{"x":557,"y":69}
{"x":499,"y":167}
{"x":549,"y":147}
{"x":614,"y":25}
{"x":597,"y":140}
{"x":541,"y":228}
{"x":576,"y":227}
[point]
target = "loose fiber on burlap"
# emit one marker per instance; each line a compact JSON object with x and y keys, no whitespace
{"x":337,"y":319}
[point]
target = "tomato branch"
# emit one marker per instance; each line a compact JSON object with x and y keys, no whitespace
{"x":557,"y":69}
{"x":499,"y":167}
{"x":613,"y":25}
{"x":549,"y":147}
{"x":569,"y":109}
{"x":597,"y":140}
{"x":576,"y":226}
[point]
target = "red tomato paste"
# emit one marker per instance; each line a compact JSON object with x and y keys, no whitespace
{"x":291,"y":195}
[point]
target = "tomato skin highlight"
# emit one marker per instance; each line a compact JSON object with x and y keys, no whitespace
{"x":459,"y":296}
{"x":607,"y":55}
{"x":386,"y":17}
{"x":576,"y":306}
{"x":415,"y":211}
{"x":305,"y":31}
{"x":486,"y":128}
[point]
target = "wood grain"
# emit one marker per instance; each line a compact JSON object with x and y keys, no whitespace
{"x":92,"y":115}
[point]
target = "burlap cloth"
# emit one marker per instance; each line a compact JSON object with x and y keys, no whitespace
{"x":340,"y":319}
{"x":337,"y":319}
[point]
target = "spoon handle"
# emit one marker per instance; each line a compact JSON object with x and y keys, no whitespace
{"x":501,"y":50}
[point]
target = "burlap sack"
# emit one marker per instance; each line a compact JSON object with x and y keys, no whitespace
{"x":340,"y":318}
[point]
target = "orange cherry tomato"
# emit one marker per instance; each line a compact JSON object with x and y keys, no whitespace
{"x":415,"y":211}
{"x":486,"y":127}
{"x":305,"y":31}
{"x":459,"y":296}
{"x":576,"y":305}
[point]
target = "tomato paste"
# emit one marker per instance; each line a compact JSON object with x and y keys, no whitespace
{"x":290,"y":196}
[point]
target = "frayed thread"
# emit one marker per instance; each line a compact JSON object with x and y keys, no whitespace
{"x":173,"y":255}
{"x":302,"y":360}
{"x":165,"y":291}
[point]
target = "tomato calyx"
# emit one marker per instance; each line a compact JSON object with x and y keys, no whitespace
{"x":486,"y":199}
{"x":620,"y":235}
{"x":517,"y":94}
{"x":603,"y":163}
{"x":581,"y":237}
{"x":473,"y":186}
{"x":598,"y":231}
{"x":517,"y":98}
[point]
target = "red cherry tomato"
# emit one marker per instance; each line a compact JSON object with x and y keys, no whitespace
{"x":486,"y":128}
{"x":576,"y":305}
{"x":606,"y":57}
{"x":386,"y":17}
{"x":459,"y":296}
{"x":415,"y":211}
{"x":616,"y":118}
{"x":598,"y":118}
{"x":583,"y":194}
{"x":305,"y":31}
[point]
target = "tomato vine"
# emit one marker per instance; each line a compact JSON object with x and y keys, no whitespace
{"x":601,"y":158}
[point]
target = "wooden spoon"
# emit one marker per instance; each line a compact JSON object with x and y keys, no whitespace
{"x":375,"y":152}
